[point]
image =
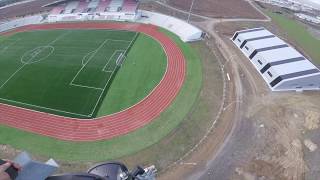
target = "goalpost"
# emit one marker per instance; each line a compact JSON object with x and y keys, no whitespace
{"x":120,"y":59}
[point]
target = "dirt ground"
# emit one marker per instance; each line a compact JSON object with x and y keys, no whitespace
{"x":274,"y":135}
{"x":261,"y":135}
{"x":156,"y":7}
{"x":218,"y":8}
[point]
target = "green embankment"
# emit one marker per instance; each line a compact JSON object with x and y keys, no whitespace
{"x":141,"y":72}
{"x":299,"y":34}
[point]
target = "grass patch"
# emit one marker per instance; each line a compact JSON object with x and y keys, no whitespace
{"x":75,"y":70}
{"x":299,"y":34}
{"x":195,"y":123}
{"x":124,"y":145}
{"x":140,"y":73}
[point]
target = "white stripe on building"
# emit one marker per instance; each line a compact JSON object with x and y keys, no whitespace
{"x":282,"y":67}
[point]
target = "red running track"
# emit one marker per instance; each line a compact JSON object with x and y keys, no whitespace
{"x":113,"y":125}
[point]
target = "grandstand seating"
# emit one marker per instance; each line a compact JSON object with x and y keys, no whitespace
{"x":71,"y":7}
{"x":83,"y":4}
{"x":92,"y":6}
{"x":99,"y":6}
{"x":58,"y":9}
{"x":24,"y":8}
{"x":129,"y":5}
{"x":115,"y":5}
{"x":102,"y":7}
{"x":20,"y":22}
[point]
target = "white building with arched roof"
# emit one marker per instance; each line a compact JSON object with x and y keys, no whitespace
{"x":281,"y":66}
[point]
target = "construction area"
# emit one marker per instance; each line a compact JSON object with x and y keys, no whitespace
{"x":272,"y":135}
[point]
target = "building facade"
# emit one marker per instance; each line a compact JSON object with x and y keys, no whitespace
{"x":281,"y":66}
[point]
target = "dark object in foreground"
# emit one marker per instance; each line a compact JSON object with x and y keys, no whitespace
{"x":12,"y":171}
{"x":110,"y":171}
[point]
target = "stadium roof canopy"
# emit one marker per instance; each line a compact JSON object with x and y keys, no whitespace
{"x":55,"y":3}
{"x":281,"y":66}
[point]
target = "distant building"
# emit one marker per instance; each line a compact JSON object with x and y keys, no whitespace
{"x":282,"y":67}
{"x":294,"y":5}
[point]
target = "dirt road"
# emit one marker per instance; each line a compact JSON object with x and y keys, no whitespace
{"x":262,"y":134}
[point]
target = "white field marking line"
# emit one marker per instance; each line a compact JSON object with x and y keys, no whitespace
{"x":89,"y":87}
{"x":7,"y":47}
{"x":42,"y":107}
{"x":55,"y":40}
{"x":90,"y":54}
{"x":138,"y":101}
{"x":167,"y":65}
{"x":105,"y":86}
{"x":100,"y":46}
{"x":35,"y":54}
{"x":114,"y":53}
{"x":120,"y":40}
{"x":127,"y":107}
{"x":12,"y":75}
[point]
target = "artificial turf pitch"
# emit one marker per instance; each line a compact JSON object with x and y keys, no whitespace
{"x":63,"y":72}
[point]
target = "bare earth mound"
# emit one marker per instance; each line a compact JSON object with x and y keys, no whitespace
{"x":218,"y":8}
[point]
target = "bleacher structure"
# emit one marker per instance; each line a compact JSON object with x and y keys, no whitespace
{"x":117,"y":10}
{"x":105,"y":10}
{"x":20,"y":22}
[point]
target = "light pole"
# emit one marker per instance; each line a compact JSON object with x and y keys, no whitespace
{"x":190,"y":10}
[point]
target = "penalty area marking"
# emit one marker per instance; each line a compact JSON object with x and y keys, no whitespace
{"x":92,"y":55}
{"x":114,"y":70}
{"x":109,"y":60}
{"x":83,"y":86}
{"x":88,"y":57}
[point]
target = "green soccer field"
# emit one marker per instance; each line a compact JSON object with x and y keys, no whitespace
{"x":69,"y":72}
